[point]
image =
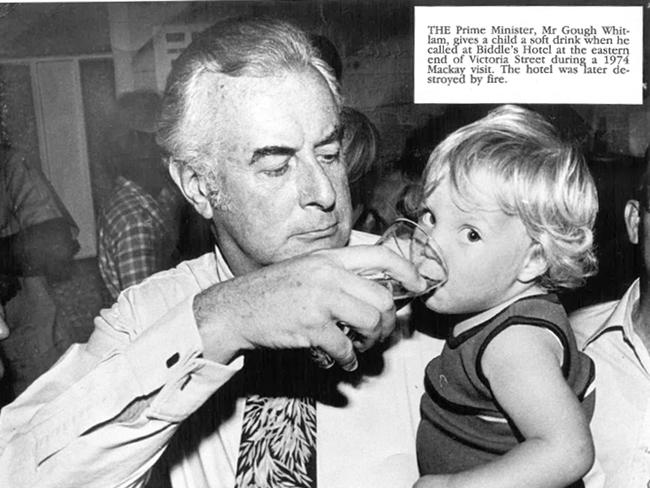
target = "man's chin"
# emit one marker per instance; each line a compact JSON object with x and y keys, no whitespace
{"x":331,"y":242}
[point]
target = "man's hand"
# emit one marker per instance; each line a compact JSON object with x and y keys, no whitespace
{"x":297,"y":304}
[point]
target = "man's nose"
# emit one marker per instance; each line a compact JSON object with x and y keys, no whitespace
{"x":315,"y":186}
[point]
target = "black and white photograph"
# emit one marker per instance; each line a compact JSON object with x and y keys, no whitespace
{"x":325,"y":244}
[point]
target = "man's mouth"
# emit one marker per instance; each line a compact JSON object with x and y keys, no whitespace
{"x":319,"y":232}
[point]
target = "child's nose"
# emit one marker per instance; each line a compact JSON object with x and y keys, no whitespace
{"x":434,"y":257}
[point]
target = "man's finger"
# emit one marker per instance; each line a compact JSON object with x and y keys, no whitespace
{"x":378,"y":259}
{"x":334,"y":343}
{"x":364,"y":319}
{"x":367,"y":290}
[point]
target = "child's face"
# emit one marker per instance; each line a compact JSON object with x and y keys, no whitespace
{"x":485,"y":250}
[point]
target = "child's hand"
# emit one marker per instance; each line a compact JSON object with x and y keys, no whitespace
{"x":434,"y":481}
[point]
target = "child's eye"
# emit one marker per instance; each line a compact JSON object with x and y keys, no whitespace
{"x":428,"y":219}
{"x":472,"y":235}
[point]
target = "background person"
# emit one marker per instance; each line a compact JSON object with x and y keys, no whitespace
{"x":360,"y":145}
{"x":138,"y":224}
{"x":37,"y":244}
{"x":616,"y":335}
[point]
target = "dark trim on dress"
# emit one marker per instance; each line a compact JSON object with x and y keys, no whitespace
{"x":528,"y":321}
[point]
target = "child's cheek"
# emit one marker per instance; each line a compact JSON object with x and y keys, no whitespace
{"x":436,"y":301}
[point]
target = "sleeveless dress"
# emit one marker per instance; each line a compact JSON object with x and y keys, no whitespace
{"x":462,"y":426}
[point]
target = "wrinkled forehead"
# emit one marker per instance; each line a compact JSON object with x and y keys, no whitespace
{"x":280,"y":109}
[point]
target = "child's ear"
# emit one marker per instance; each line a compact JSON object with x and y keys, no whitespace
{"x":192,"y":187}
{"x":632,"y":219}
{"x":535,"y":264}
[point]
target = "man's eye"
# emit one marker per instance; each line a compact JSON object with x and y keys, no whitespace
{"x":472,"y":235}
{"x":330,"y":158}
{"x":277,"y":171}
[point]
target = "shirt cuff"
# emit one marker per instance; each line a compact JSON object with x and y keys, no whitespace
{"x":169,"y":355}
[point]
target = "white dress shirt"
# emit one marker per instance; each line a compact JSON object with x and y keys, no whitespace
{"x":104,"y":414}
{"x":621,"y":422}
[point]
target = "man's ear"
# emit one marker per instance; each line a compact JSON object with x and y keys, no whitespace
{"x":192,"y":187}
{"x":632,"y":220}
{"x":535,"y":264}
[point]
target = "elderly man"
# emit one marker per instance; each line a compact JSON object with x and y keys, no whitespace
{"x":251,"y":126}
{"x":617,"y":336}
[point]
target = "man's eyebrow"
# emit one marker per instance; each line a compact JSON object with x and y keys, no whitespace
{"x":335,"y":136}
{"x":271,"y":151}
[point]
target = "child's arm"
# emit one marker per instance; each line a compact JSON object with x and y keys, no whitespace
{"x":523,"y":366}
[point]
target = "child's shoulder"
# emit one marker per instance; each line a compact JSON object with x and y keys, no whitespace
{"x":543,"y":310}
{"x":546,"y":306}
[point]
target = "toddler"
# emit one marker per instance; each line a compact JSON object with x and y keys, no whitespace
{"x":508,"y":401}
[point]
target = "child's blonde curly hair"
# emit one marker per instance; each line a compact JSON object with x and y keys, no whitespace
{"x":537,"y":177}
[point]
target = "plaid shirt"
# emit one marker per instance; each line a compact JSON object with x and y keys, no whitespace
{"x":136,"y":237}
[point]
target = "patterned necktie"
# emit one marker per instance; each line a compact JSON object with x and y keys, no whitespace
{"x":278,"y":441}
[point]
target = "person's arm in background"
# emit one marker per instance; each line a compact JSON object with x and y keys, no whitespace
{"x":44,"y":239}
{"x":43,"y":242}
{"x":42,"y":249}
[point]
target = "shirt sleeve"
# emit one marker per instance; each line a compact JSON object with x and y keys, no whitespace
{"x":105,"y":412}
{"x":30,"y":193}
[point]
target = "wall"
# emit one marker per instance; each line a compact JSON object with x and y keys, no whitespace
{"x":132,"y":27}
{"x":374,"y":40}
{"x":377,"y":59}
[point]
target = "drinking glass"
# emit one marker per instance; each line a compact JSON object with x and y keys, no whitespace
{"x":412,"y":242}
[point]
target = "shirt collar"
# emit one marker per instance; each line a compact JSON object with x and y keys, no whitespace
{"x":223,"y":270}
{"x":621,"y":317}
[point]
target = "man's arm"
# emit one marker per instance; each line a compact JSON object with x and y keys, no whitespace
{"x":105,"y":412}
{"x":300,"y":302}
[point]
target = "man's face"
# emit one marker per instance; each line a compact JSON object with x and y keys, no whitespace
{"x":282,"y":184}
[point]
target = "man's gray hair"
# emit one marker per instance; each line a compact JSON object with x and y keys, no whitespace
{"x":233,"y":48}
